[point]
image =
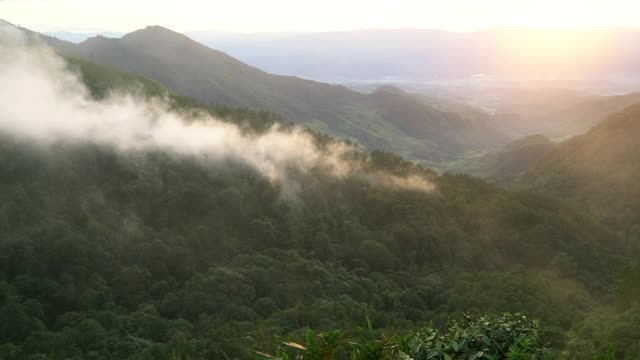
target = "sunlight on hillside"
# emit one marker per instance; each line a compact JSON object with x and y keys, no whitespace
{"x":286,"y":180}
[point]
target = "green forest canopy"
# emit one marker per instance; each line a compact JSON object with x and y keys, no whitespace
{"x":143,"y":255}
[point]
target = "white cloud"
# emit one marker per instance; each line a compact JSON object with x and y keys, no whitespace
{"x":42,"y":101}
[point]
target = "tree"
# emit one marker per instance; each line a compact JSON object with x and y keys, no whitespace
{"x":14,"y":322}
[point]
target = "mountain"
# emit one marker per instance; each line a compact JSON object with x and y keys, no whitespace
{"x":598,"y":170}
{"x":373,"y":120}
{"x":554,"y":112}
{"x":433,"y":55}
{"x":127,"y":254}
{"x":506,"y":164}
{"x":76,"y":37}
{"x":426,"y":55}
{"x":150,"y":254}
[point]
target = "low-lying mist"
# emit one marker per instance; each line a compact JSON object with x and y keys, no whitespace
{"x":43,"y":101}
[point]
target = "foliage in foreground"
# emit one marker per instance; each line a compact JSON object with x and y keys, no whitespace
{"x":490,"y":337}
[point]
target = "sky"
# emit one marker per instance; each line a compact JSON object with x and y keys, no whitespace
{"x":325,"y":15}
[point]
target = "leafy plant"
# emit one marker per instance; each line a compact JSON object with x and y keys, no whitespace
{"x":507,"y":336}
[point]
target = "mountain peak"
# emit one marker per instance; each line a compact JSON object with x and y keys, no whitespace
{"x":96,"y":39}
{"x":155,"y":33}
{"x":389,"y":89}
{"x":158,"y":28}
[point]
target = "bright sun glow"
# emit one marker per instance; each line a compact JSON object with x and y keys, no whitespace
{"x":570,"y":13}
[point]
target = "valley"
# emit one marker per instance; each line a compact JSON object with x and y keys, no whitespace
{"x":160,"y":199}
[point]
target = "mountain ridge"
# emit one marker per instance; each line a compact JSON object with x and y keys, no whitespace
{"x":597,"y":170}
{"x":210,"y":76}
{"x":507,"y":164}
{"x":494,"y":52}
{"x":154,"y":254}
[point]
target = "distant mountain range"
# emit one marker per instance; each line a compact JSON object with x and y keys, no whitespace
{"x":529,"y":80}
{"x":413,"y":55}
{"x":432,"y":130}
{"x":416,"y":127}
{"x":77,"y":37}
{"x":432,"y":55}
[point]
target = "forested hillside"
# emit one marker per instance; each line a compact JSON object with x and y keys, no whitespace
{"x":122,"y":254}
{"x":156,"y":255}
{"x":209,"y":76}
{"x":142,"y":224}
{"x":506,"y":165}
{"x":597,"y":171}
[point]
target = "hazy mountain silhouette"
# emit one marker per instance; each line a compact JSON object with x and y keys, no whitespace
{"x":210,"y":76}
{"x":427,"y":55}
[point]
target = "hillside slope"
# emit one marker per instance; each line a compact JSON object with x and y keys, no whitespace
{"x":506,"y":164}
{"x":375,"y":55}
{"x":555,"y":113}
{"x":151,"y":253}
{"x":209,"y":76}
{"x":598,"y":170}
{"x":125,"y":254}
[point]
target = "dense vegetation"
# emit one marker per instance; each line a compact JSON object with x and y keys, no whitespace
{"x":151,"y":255}
{"x":120,"y":254}
{"x":501,"y":337}
{"x":137,"y":255}
{"x":597,"y":171}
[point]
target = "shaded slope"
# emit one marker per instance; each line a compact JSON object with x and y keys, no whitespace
{"x":507,"y":164}
{"x":556,"y":113}
{"x":598,"y":170}
{"x":191,"y":69}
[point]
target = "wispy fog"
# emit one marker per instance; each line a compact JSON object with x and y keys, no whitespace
{"x":41,"y":100}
